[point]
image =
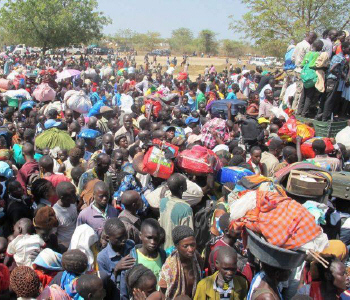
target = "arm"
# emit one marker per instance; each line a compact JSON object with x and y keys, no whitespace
{"x":300,"y":157}
{"x":229,"y":113}
{"x":261,"y":109}
{"x":139,"y":86}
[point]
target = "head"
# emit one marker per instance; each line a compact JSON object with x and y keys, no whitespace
{"x":346,"y":47}
{"x":23,"y":226}
{"x":101,"y":195}
{"x":268,"y":95}
{"x":290,"y":154}
{"x":150,"y":235}
{"x":15,"y":189}
{"x":317,"y":45}
{"x":3,"y":247}
{"x":44,"y":221}
{"x":276,"y":274}
{"x":319,"y":147}
{"x":184,"y":241}
{"x":21,"y":127}
{"x":113,"y":125}
{"x":103,"y":162}
{"x":75,"y":261}
{"x":275,"y":147}
{"x":108,"y":143}
{"x":334,"y":275}
{"x":341,"y":35}
{"x":90,"y":287}
{"x":42,"y":189}
{"x":117,"y":158}
{"x":68,"y":114}
{"x":115,"y":233}
{"x":311,"y":37}
{"x":66,"y":192}
{"x":255,"y":154}
{"x":177,"y":184}
{"x":76,"y":174}
{"x":127,"y":121}
{"x":25,"y":282}
{"x":132,"y":201}
{"x":28,"y":135}
{"x":332,"y":35}
{"x":121,"y":141}
{"x":170,"y":133}
{"x":46,"y":164}
{"x":226,"y":263}
{"x":142,"y":278}
{"x":62,"y":155}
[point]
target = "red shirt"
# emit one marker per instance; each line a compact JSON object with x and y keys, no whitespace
{"x":23,"y":174}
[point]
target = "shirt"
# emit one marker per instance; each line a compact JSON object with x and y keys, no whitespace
{"x":128,"y":133}
{"x":132,"y":224}
{"x":154,"y":264}
{"x":107,"y":259}
{"x":67,"y":219}
{"x":91,"y":174}
{"x":269,"y":163}
{"x":265,"y":109}
{"x":332,"y":164}
{"x":327,"y":46}
{"x":25,"y":171}
{"x":300,"y":50}
{"x":341,"y":61}
{"x":173,"y":212}
{"x":22,"y":246}
{"x":94,"y":218}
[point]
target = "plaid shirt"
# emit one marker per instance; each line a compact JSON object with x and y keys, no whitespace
{"x":215,"y":125}
{"x":282,"y":221}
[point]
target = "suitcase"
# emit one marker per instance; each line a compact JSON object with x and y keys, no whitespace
{"x":341,"y":185}
{"x":219,"y":108}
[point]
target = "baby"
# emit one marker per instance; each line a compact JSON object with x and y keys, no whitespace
{"x":22,"y":248}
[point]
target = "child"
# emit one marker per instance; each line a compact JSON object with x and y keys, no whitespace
{"x":132,"y":203}
{"x":3,"y":247}
{"x":66,"y":212}
{"x":149,"y":253}
{"x":76,"y":174}
{"x":24,"y":243}
{"x":90,"y":287}
{"x":120,"y":261}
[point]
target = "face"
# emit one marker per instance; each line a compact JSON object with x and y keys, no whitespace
{"x":227,"y":267}
{"x":113,"y":126}
{"x":101,"y":197}
{"x":177,"y":113}
{"x":81,"y":121}
{"x":43,"y":233}
{"x":184,"y":100}
{"x":256,"y":156}
{"x":99,"y":293}
{"x":150,"y":238}
{"x":17,"y":191}
{"x":11,"y":128}
{"x":108,"y":144}
{"x":123,"y":143}
{"x":149,"y":285}
{"x":117,"y":239}
{"x":17,"y":116}
{"x":62,"y":155}
{"x":103,"y":240}
{"x":202,"y":108}
{"x":170,"y":134}
{"x":127,"y":122}
{"x":20,"y":128}
{"x":339,"y":273}
{"x":187,"y":247}
{"x":69,"y":116}
{"x":118,"y":159}
{"x":103,"y":164}
{"x":3,"y":248}
{"x":70,"y":197}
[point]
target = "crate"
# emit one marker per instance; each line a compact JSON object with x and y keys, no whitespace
{"x":325,"y":129}
{"x":296,"y":185}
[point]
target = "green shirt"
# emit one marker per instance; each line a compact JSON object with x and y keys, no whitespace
{"x":154,"y":264}
{"x":200,"y":98}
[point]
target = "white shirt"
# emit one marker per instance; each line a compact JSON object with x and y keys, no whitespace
{"x":67,"y":219}
{"x":299,"y":53}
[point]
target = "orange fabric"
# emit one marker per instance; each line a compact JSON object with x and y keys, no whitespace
{"x":282,"y":221}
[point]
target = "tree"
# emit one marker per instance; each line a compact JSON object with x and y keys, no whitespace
{"x":181,"y":40}
{"x":125,"y":37}
{"x":52,"y":23}
{"x":276,"y":23}
{"x":147,"y":41}
{"x":233,"y":48}
{"x":207,"y":42}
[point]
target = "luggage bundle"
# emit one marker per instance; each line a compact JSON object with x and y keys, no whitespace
{"x":44,"y":93}
{"x":308,"y":152}
{"x":78,"y":101}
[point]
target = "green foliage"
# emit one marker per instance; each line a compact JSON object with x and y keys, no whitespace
{"x":234,"y":48}
{"x":273,"y":24}
{"x":207,"y":42}
{"x":182,"y":40}
{"x":52,"y":23}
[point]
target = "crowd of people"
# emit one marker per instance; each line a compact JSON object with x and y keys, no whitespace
{"x":124,"y":181}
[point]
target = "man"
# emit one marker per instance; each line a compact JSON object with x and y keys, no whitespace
{"x":269,"y":86}
{"x":18,"y":137}
{"x":127,"y":129}
{"x":332,"y":164}
{"x":46,"y":165}
{"x":201,"y":94}
{"x":329,"y":37}
{"x":29,"y":168}
{"x":173,"y":210}
{"x":298,"y":56}
{"x":107,"y":147}
{"x":96,"y":214}
{"x":269,"y":160}
{"x":267,"y":104}
{"x":223,"y":284}
{"x":100,"y":171}
{"x":68,"y":114}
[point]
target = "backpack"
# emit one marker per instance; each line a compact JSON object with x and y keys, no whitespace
{"x":202,"y":220}
{"x":308,"y":76}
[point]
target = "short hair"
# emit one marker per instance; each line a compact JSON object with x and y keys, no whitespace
{"x":236,"y":160}
{"x":318,"y":44}
{"x":137,"y":275}
{"x":150,"y":223}
{"x":28,"y":133}
{"x":255,"y":148}
{"x":129,"y":197}
{"x":112,"y":225}
{"x":226,"y":251}
{"x":224,"y":221}
{"x":77,"y":172}
{"x":39,"y":188}
{"x":85,"y":284}
{"x":75,"y":152}
{"x":275,"y":144}
{"x":100,"y":185}
{"x":174,"y":182}
{"x":237,"y":151}
{"x":74,"y":261}
{"x":25,"y":282}
{"x":181,"y":232}
{"x":28,"y":149}
{"x":345,"y":45}
{"x":63,"y":187}
{"x":319,"y":146}
{"x":46,"y":162}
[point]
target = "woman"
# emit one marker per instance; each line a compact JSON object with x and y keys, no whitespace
{"x":121,"y":141}
{"x":43,"y":192}
{"x":253,"y":107}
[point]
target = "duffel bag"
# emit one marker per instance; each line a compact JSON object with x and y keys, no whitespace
{"x":232,"y":174}
{"x":341,"y":185}
{"x":79,"y":102}
{"x":308,"y":152}
{"x":44,"y":92}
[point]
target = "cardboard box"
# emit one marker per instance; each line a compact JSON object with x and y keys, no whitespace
{"x":298,"y":186}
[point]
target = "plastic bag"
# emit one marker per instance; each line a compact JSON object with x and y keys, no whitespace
{"x":44,"y":92}
{"x":89,"y":134}
{"x":79,"y":102}
{"x":293,"y":128}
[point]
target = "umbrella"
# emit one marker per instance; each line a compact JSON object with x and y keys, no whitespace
{"x":67,"y":74}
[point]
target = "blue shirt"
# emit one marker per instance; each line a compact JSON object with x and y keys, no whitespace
{"x":107,"y":259}
{"x":340,"y":60}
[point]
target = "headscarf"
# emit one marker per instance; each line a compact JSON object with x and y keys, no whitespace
{"x":336,"y":248}
{"x":84,"y":237}
{"x":53,"y":292}
{"x":45,"y":218}
{"x":49,"y":260}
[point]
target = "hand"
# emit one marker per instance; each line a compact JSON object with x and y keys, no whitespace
{"x":299,"y":139}
{"x":33,"y":254}
{"x":139,"y":295}
{"x":229,"y":105}
{"x":124,"y":264}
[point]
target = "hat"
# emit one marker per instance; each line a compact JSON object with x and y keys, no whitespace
{"x":105,"y":109}
{"x":167,"y":128}
{"x":5,"y":170}
{"x":263,"y":120}
{"x":27,"y":104}
{"x":51,"y":123}
{"x":194,"y":138}
{"x":178,"y":141}
{"x":45,"y":218}
{"x":191,"y":119}
{"x":181,"y":232}
{"x":88,"y":133}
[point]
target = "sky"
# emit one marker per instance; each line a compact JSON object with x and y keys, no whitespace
{"x":166,"y":15}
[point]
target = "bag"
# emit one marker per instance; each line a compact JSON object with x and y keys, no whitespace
{"x":342,"y":137}
{"x":232,"y":174}
{"x":202,"y":223}
{"x":182,"y":76}
{"x":341,"y":185}
{"x":218,"y":108}
{"x":155,"y":161}
{"x":196,"y":161}
{"x":156,"y":107}
{"x":308,"y":77}
{"x":214,"y":125}
{"x":44,"y":92}
{"x":89,"y":134}
{"x":5,"y":84}
{"x":79,"y":102}
{"x":250,"y":130}
{"x":308,"y":152}
{"x":293,"y":128}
